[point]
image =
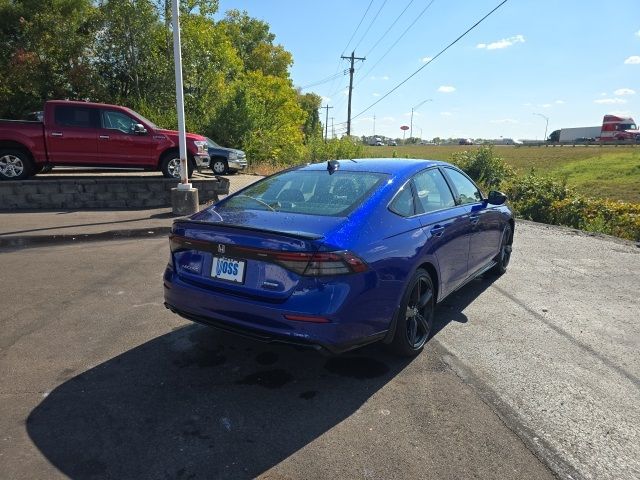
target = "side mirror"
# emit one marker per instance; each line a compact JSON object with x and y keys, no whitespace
{"x":496,"y":198}
{"x":139,"y":129}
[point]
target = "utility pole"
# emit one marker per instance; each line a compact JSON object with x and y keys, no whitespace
{"x":546,"y":125}
{"x":353,"y":58}
{"x":326,"y":122}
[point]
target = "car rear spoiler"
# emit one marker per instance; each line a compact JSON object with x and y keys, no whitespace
{"x":289,"y":233}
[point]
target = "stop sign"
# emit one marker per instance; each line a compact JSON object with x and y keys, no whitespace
{"x":404,"y":127}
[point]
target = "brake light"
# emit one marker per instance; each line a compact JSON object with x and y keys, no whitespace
{"x":313,"y":264}
{"x":307,"y":318}
{"x":310,"y":264}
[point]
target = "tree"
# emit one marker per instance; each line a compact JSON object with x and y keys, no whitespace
{"x":311,"y":103}
{"x":45,"y":47}
{"x":264,"y":116}
{"x":254,"y":43}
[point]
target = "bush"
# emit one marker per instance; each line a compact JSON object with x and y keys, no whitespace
{"x":484,"y":167}
{"x":533,"y":196}
{"x":317,"y":150}
{"x":547,"y":200}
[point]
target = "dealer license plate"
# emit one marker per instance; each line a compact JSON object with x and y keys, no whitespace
{"x":228,"y":269}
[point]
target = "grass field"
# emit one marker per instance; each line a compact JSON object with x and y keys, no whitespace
{"x":603,"y":172}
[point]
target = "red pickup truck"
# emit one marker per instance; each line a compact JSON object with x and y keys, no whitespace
{"x":92,"y":135}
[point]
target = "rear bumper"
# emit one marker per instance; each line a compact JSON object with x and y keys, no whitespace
{"x":261,"y":321}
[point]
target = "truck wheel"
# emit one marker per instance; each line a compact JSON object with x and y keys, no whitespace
{"x":219,"y":166}
{"x":170,"y":165}
{"x":15,"y":165}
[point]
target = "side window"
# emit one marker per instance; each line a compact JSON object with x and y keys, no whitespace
{"x":403,"y":203}
{"x":467,"y":191}
{"x":118,"y":121}
{"x":71,"y":116}
{"x":433,"y":191}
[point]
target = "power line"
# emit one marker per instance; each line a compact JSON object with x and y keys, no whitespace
{"x":436,"y":56}
{"x":370,"y":25}
{"x":390,"y":27}
{"x":396,"y":42}
{"x":347,"y":45}
{"x":325,"y":80}
{"x":356,"y":30}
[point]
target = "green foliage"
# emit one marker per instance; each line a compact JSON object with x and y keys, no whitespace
{"x":310,"y":103}
{"x":532,"y":196}
{"x":547,"y":200}
{"x":345,"y":147}
{"x":254,"y":43}
{"x":264,"y":116}
{"x":483,"y":166}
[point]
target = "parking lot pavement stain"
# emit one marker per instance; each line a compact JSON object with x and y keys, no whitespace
{"x":308,"y":395}
{"x":267,"y":378}
{"x":361,"y":368}
{"x":267,"y":358}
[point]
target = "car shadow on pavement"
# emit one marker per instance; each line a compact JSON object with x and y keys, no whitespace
{"x":197,"y":403}
{"x":452,"y":308}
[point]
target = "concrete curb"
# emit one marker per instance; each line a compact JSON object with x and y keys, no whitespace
{"x":19,"y":242}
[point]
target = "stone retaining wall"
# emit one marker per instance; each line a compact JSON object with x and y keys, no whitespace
{"x":101,"y":193}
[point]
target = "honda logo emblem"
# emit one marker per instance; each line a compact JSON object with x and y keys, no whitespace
{"x":220,"y":248}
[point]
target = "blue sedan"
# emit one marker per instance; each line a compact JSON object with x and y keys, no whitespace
{"x":338,"y":255}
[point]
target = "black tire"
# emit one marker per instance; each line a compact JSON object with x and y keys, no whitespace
{"x":15,"y":164}
{"x":170,"y":165}
{"x":219,"y":166}
{"x":504,"y":255}
{"x":415,"y":316}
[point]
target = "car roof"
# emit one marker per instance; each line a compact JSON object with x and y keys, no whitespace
{"x":391,"y":166}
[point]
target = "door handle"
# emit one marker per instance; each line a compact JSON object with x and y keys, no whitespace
{"x":56,"y":134}
{"x":437,"y":230}
{"x":104,"y":137}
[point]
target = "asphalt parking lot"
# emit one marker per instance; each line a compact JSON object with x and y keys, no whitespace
{"x":533,"y":375}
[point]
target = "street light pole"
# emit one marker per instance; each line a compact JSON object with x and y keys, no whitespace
{"x":184,"y":198}
{"x":415,"y":108}
{"x":546,"y":126}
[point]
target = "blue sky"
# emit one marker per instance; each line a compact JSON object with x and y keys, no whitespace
{"x":572,"y":61}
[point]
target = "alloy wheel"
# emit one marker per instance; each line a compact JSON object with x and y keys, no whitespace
{"x":419,"y":313}
{"x":11,"y":166}
{"x":218,"y":167}
{"x":173,"y":167}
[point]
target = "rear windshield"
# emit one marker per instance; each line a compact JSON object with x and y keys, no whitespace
{"x":308,"y":192}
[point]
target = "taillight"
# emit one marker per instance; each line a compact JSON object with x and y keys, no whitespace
{"x":312,"y":264}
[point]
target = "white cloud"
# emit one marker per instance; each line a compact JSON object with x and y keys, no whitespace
{"x":388,"y":119}
{"x":505,"y":121}
{"x":446,"y":89}
{"x":624,"y":91}
{"x":545,"y":105}
{"x":504,"y":43}
{"x":446,"y":114}
{"x":376,"y":94}
{"x":638,"y":33}
{"x":326,"y":100}
{"x":426,"y":59}
{"x":633,"y":60}
{"x":528,"y":104}
{"x":559,"y":102}
{"x":384,"y":77}
{"x":610,"y":101}
{"x":603,"y":94}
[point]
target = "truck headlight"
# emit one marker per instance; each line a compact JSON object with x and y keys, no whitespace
{"x":233,"y":155}
{"x":201,"y":146}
